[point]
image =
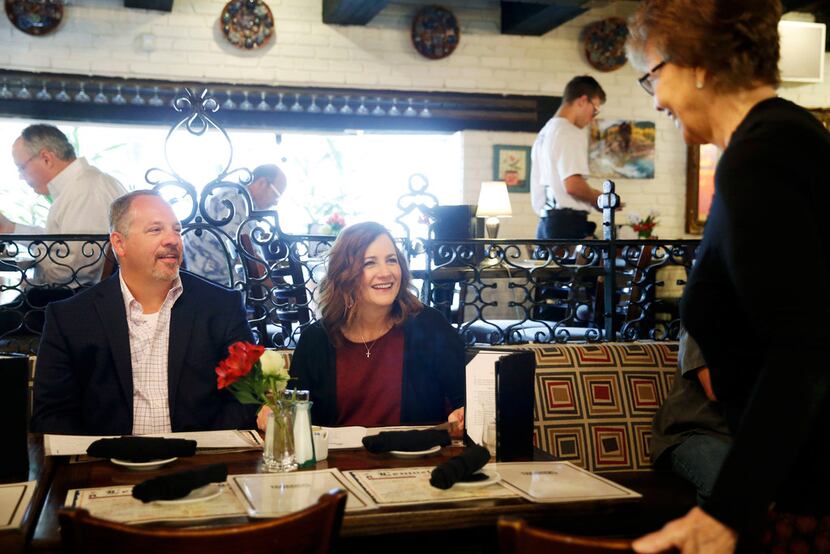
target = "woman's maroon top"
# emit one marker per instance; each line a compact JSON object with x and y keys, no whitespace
{"x":369,"y":389}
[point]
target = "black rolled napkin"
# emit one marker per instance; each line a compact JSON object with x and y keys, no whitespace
{"x":179,"y":485}
{"x":459,"y":468}
{"x":141,"y":449}
{"x":407,"y":441}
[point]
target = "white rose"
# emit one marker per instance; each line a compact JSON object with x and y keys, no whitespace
{"x":274,"y":364}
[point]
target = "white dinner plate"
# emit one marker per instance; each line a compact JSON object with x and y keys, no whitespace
{"x":211,"y":490}
{"x":493,"y":477}
{"x":416,"y":453}
{"x":143,"y":466}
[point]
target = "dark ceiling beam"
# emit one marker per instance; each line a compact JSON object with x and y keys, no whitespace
{"x":351,"y":12}
{"x":160,"y":5}
{"x":536,"y":18}
{"x":811,"y":6}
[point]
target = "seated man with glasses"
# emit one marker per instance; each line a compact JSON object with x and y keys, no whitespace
{"x":212,"y":256}
{"x":81,"y":195}
{"x":559,"y":192}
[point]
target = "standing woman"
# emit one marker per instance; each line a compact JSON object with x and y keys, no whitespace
{"x":712,"y":66}
{"x":378,"y":357}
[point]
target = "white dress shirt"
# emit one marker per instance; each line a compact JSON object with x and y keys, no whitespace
{"x":149,"y":346}
{"x":560,"y":151}
{"x":81,"y":198}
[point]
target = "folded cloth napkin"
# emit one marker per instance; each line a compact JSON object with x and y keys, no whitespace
{"x":141,"y":449}
{"x":408,"y":441}
{"x":179,"y":485}
{"x":460,"y":467}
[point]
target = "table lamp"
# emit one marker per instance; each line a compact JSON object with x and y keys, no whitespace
{"x":493,"y":203}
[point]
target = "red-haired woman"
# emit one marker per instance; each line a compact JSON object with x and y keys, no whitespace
{"x":378,"y":356}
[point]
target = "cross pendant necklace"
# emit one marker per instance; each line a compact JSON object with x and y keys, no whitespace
{"x":368,"y":347}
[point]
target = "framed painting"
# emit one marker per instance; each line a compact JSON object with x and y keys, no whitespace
{"x":622,"y":149}
{"x":701,"y":162}
{"x":511,"y":164}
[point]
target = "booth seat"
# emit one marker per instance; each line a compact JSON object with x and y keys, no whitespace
{"x":593,"y":406}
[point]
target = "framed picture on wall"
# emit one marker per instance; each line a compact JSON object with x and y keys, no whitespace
{"x":511,"y":164}
{"x":701,"y":162}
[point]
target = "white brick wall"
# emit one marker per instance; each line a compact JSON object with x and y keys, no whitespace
{"x":101,"y":37}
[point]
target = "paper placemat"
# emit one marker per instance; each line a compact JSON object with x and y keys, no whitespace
{"x":559,"y":482}
{"x":409,"y":486}
{"x":14,"y":501}
{"x":277,"y":494}
{"x":118,"y":504}
{"x":72,"y":445}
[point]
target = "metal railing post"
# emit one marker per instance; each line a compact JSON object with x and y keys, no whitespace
{"x":608,"y":202}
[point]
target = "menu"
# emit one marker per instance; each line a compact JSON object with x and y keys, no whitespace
{"x":481,"y":394}
{"x":14,"y":500}
{"x":277,"y":494}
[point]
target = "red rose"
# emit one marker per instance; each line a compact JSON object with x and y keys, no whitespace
{"x":241,"y":358}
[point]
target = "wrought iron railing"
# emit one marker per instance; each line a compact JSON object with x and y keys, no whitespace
{"x":493,"y":291}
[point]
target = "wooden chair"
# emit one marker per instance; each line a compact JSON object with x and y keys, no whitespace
{"x":516,"y":537}
{"x":310,"y":531}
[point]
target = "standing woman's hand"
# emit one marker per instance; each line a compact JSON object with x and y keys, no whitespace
{"x":696,"y":532}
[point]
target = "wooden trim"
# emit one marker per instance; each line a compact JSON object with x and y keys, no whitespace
{"x":694,"y":224}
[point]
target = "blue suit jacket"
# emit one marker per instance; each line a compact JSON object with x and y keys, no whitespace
{"x":84,"y":381}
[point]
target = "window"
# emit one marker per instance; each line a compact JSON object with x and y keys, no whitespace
{"x":358,"y":175}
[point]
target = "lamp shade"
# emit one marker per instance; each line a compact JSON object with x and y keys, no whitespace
{"x":493,"y":200}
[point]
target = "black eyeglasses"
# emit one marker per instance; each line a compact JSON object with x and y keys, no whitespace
{"x":646,"y":80}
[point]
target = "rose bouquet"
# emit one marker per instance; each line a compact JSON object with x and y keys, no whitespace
{"x":644,"y":226}
{"x":253,"y":374}
{"x":335,"y":223}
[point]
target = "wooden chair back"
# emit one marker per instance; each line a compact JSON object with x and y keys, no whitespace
{"x":516,"y":537}
{"x":310,"y":531}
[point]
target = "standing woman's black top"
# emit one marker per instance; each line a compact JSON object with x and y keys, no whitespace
{"x":758,"y":303}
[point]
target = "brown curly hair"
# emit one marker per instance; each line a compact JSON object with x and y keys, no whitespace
{"x":344,"y":272}
{"x":735,"y":41}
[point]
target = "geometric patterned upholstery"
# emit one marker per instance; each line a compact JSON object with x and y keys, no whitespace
{"x":594,"y":403}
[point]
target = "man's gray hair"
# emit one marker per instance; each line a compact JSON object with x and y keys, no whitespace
{"x":48,"y":137}
{"x":120,"y":210}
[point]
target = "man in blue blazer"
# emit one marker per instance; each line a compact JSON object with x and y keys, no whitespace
{"x":136,"y":353}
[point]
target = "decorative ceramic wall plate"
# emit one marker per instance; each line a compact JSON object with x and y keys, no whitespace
{"x":35,"y":17}
{"x":435,"y":32}
{"x":247,"y":24}
{"x":605,"y":43}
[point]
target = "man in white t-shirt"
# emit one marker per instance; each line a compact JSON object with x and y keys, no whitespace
{"x":559,"y":192}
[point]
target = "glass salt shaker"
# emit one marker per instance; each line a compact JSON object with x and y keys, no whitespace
{"x":303,"y":437}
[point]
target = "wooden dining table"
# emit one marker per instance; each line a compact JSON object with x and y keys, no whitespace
{"x":465,"y":526}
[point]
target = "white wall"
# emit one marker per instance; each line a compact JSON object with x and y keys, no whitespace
{"x":102,"y":37}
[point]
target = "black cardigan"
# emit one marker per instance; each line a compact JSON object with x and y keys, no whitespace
{"x":433,"y":370}
{"x":758,"y":304}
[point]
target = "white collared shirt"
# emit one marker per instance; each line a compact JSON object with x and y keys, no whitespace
{"x":81,"y":198}
{"x":149,"y":347}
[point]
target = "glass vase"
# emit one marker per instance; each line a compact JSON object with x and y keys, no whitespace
{"x":278,"y":453}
